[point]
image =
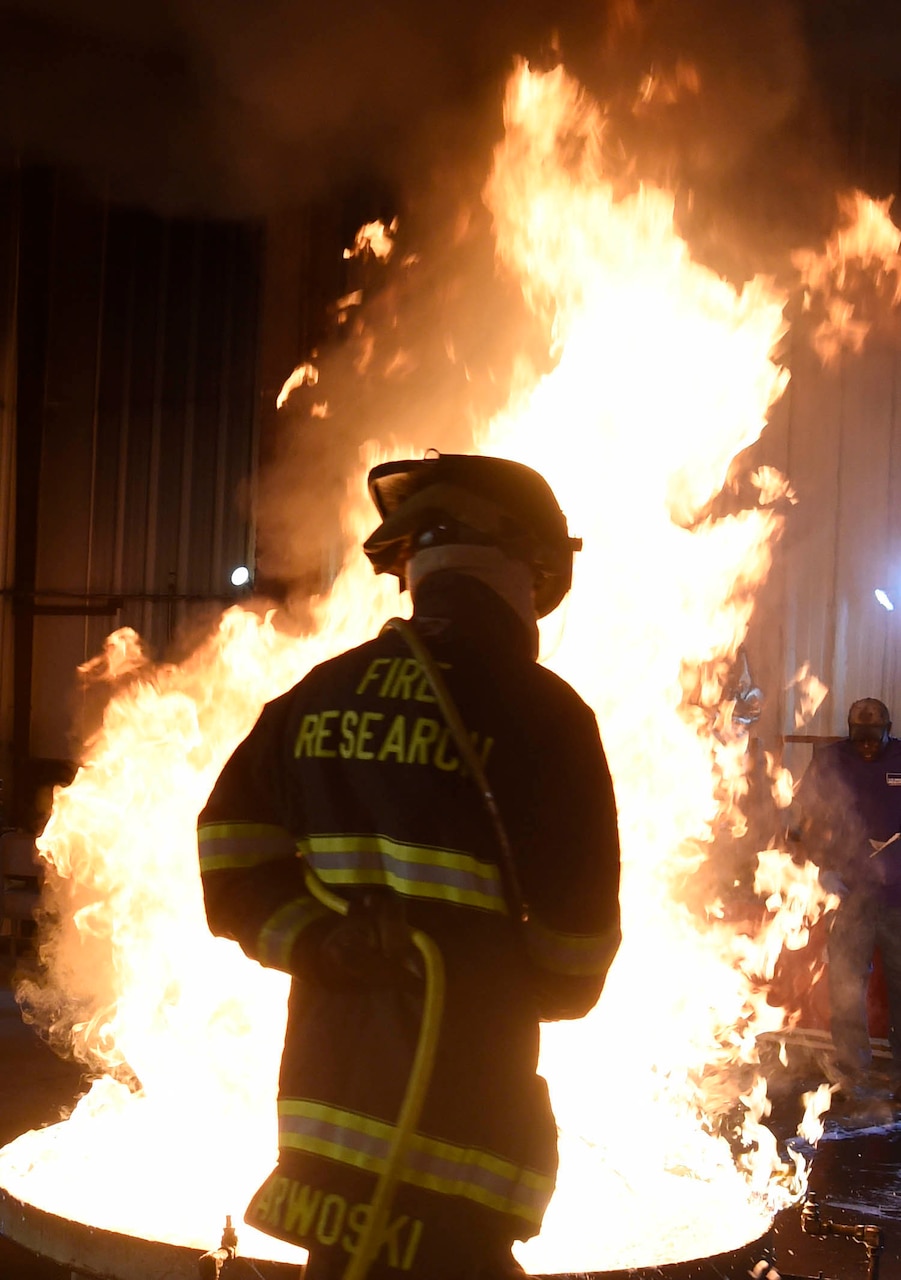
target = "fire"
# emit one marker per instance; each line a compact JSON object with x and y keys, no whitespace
{"x":305,"y":375}
{"x":867,"y":240}
{"x":663,"y":373}
{"x":374,"y":238}
{"x":811,"y":692}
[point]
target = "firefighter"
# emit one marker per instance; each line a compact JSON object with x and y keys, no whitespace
{"x":352,"y":788}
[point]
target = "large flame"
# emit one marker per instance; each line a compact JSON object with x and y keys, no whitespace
{"x":663,"y":372}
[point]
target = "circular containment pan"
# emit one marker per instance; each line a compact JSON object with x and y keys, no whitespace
{"x":94,"y":1251}
{"x":734,"y":1265}
{"x":109,"y":1255}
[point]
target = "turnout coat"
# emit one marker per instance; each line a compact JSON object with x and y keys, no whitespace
{"x":354,"y":775}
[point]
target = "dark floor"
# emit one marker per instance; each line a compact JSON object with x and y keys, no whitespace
{"x":34,"y":1086}
{"x":856,"y":1175}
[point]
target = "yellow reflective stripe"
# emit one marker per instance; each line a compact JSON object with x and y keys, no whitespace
{"x":444,"y":1167}
{"x":235,"y":845}
{"x":283,"y":928}
{"x":335,"y":1115}
{"x":417,"y":871}
{"x":414,"y":888}
{"x":572,"y":954}
{"x":429,"y":855}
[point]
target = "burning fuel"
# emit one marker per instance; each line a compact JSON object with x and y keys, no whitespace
{"x":661,"y":373}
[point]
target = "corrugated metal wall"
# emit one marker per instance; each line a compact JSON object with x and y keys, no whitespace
{"x":8,"y":260}
{"x":838,"y":439}
{"x":836,"y":434}
{"x":142,"y":433}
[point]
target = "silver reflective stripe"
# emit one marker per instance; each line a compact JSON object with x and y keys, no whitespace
{"x":416,"y":871}
{"x":473,"y":1174}
{"x":234,"y":845}
{"x":325,"y":1131}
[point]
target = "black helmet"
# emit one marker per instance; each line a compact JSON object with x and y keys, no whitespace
{"x":868,"y":712}
{"x":465,"y":498}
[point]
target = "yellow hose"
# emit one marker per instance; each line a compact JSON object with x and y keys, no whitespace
{"x":418,"y":1083}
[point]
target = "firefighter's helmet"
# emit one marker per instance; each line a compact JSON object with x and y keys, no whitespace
{"x":469,"y":498}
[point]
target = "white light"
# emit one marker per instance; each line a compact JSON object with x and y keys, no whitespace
{"x":883,"y":599}
{"x":240,"y":576}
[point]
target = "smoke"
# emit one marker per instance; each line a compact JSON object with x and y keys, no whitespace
{"x":423,"y":362}
{"x":730,"y":107}
{"x":724,"y":105}
{"x":233,"y":108}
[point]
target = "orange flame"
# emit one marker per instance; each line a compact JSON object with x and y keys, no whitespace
{"x":869,"y":241}
{"x":374,"y":238}
{"x":810,"y":695}
{"x":305,"y":375}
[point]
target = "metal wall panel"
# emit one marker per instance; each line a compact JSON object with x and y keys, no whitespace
{"x":8,"y":259}
{"x":149,"y":438}
{"x":838,"y":438}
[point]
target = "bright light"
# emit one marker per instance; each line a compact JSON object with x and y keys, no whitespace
{"x":240,"y":576}
{"x":883,"y":599}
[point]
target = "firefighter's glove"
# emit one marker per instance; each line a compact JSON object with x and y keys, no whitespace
{"x":370,"y":946}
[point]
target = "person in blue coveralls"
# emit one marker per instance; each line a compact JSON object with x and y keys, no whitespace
{"x":849,"y":803}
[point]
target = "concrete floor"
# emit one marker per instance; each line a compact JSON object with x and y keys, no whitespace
{"x":856,"y":1172}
